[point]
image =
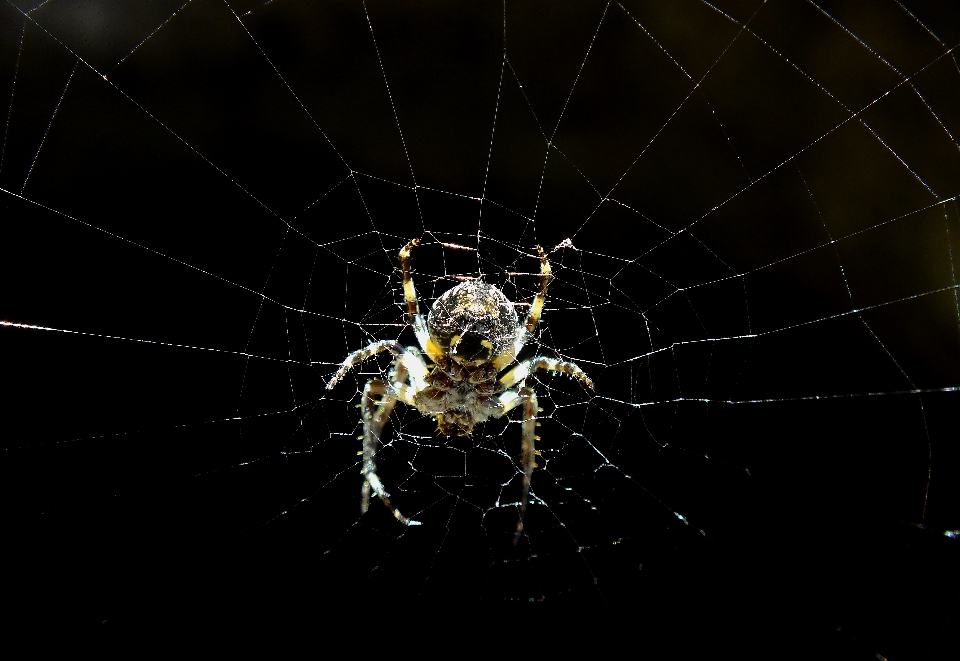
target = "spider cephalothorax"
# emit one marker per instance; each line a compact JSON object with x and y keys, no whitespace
{"x":470,"y":336}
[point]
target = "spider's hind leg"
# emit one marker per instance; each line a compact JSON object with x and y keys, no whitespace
{"x":529,"y":450}
{"x":377,"y":404}
{"x":526,"y":397}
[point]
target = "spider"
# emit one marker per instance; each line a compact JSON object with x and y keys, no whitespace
{"x":471,"y":335}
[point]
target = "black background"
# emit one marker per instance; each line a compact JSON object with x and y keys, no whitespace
{"x":173,"y":462}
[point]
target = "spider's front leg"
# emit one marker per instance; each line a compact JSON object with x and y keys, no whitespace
{"x":409,"y":291}
{"x":536,"y":308}
{"x":377,"y":404}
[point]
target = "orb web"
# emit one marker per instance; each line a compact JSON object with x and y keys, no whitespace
{"x":750,"y":210}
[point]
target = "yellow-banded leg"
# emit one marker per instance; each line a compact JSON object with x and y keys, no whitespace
{"x":409,"y":291}
{"x":536,"y":308}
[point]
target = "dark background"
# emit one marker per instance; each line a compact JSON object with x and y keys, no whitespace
{"x":205,"y":223}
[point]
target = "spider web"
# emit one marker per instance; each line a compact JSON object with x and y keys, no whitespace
{"x":750,"y":210}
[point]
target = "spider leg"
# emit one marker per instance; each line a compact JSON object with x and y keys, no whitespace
{"x":523,"y":370}
{"x":536,"y":308}
{"x":409,"y":291}
{"x":533,"y":318}
{"x":360,"y":355}
{"x":528,"y":456}
{"x":414,"y":318}
{"x":528,"y":397}
{"x":376,"y":406}
{"x":409,"y":367}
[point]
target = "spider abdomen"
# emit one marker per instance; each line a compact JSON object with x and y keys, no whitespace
{"x":460,"y":399}
{"x":473,"y":322}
